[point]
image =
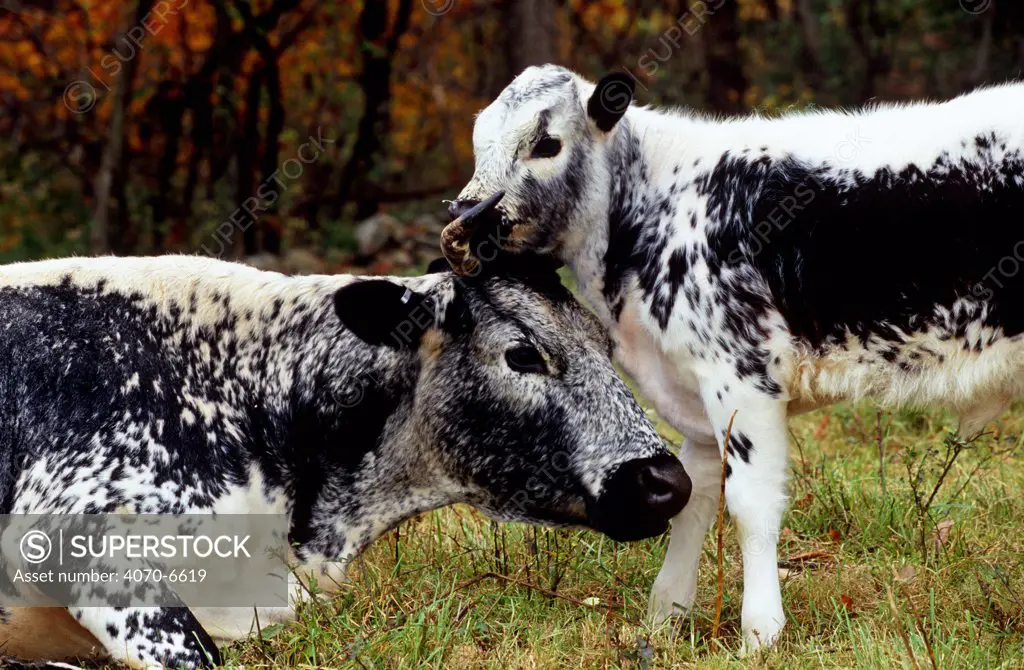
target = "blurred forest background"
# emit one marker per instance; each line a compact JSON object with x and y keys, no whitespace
{"x":315,"y":135}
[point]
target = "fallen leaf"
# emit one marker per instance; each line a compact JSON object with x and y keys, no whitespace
{"x":941,"y":536}
{"x":906,"y":574}
{"x":805,"y":501}
{"x":834,"y":535}
{"x":847,"y":602}
{"x":809,"y":556}
{"x":592,"y":601}
{"x":784,"y":574}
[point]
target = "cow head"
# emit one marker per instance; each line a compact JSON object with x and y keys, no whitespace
{"x":514,"y":406}
{"x":542,"y":143}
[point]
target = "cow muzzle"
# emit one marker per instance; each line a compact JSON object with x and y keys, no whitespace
{"x":458,"y":237}
{"x":640,"y":498}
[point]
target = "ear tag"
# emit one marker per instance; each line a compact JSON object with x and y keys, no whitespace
{"x":407,"y":296}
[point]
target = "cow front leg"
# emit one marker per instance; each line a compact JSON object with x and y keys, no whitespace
{"x":150,"y":637}
{"x":755,"y":492}
{"x":675,"y":588}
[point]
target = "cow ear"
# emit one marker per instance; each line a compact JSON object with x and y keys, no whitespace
{"x":610,"y":100}
{"x":382,"y":313}
{"x":458,"y":318}
{"x":438,"y":265}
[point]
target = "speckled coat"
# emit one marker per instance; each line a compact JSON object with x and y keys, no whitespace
{"x":185,"y":384}
{"x":767,"y":266}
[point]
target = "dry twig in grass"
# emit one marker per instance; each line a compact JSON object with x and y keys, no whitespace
{"x":925,"y":635}
{"x":721,"y":523}
{"x":899,"y":629}
{"x":881,"y":449}
{"x":261,"y":644}
{"x":919,"y":623}
{"x":808,"y":560}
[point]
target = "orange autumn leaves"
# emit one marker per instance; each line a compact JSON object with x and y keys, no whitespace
{"x":79,"y":45}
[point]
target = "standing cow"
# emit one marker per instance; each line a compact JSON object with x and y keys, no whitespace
{"x":768,"y":267}
{"x":189,"y":385}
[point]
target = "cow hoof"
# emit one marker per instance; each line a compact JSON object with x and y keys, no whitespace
{"x":669,"y":601}
{"x":761,"y":631}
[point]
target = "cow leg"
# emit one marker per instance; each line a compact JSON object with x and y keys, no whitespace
{"x":150,"y":637}
{"x":755,"y":492}
{"x":229,"y":624}
{"x":675,"y":588}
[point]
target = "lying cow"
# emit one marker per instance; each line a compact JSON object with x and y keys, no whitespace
{"x":195,"y":385}
{"x":768,"y":267}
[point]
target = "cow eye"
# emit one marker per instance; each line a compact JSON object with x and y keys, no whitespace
{"x":546,"y":147}
{"x":526,"y":359}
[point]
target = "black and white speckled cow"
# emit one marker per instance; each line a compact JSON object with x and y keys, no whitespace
{"x":182,"y":384}
{"x":766,"y":267}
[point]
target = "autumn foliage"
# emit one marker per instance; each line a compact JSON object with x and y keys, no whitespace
{"x":143,"y":126}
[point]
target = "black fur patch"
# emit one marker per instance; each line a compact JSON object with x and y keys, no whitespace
{"x":740,"y":445}
{"x":842,"y":251}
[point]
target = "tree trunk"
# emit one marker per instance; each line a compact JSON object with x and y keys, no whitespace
{"x":528,"y":39}
{"x":168,"y":108}
{"x":248,"y":150}
{"x":531,"y":33}
{"x":260,"y":233}
{"x":269,"y":228}
{"x":984,"y":54}
{"x":811,"y":61}
{"x":724,"y":60}
{"x":99,"y":237}
{"x":866,"y":30}
{"x":114,"y":160}
{"x":375,"y":80}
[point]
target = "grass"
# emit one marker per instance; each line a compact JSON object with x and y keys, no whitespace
{"x":453,"y":589}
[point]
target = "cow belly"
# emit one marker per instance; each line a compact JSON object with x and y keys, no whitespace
{"x":230,"y":624}
{"x":975,"y":382}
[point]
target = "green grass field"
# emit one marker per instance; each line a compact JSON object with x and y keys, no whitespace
{"x":933,"y":559}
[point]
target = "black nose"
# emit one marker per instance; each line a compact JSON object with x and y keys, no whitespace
{"x":457,"y":208}
{"x":641,"y":497}
{"x":665,"y":484}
